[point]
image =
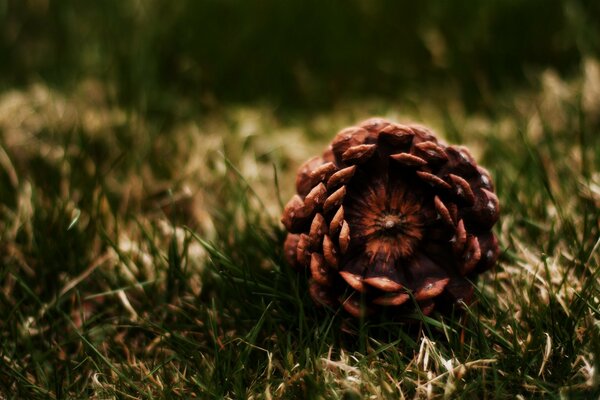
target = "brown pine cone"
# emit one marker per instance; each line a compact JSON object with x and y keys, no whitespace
{"x":390,"y":212}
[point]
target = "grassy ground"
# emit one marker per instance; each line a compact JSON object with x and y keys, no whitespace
{"x":140,"y":256}
{"x":145,"y":152}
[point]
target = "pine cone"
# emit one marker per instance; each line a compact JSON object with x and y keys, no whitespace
{"x":390,"y":212}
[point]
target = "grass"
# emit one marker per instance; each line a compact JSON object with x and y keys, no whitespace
{"x":142,"y":258}
{"x":140,"y":243}
{"x":303,"y":53}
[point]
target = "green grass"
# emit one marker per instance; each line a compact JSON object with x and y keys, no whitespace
{"x":146,"y":152}
{"x":142,"y":258}
{"x":306,"y":53}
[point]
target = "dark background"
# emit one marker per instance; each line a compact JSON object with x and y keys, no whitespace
{"x":295,"y":53}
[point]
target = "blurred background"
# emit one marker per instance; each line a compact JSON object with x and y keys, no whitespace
{"x":295,"y":54}
{"x":141,"y":101}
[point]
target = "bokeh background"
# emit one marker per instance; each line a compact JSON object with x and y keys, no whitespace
{"x":292,"y":54}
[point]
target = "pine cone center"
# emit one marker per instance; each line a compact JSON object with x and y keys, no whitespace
{"x":391,"y":224}
{"x":386,"y":217}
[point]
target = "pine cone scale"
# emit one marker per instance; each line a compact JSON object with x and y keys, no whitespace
{"x":354,"y":280}
{"x":341,"y":177}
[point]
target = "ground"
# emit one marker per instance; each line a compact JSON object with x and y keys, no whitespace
{"x":136,"y":266}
